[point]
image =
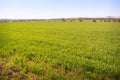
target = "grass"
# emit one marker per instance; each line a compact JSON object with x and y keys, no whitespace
{"x":58,"y":50}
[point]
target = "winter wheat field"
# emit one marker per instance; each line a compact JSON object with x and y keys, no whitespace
{"x":56,"y":50}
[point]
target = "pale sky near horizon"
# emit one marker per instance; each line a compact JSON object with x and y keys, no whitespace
{"x":21,"y":9}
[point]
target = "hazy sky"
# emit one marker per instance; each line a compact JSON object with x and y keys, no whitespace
{"x":58,"y":8}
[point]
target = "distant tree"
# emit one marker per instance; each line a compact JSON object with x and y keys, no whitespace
{"x":105,"y":20}
{"x":63,"y":20}
{"x":80,"y":19}
{"x":109,"y":20}
{"x":118,"y":20}
{"x":114,"y":20}
{"x":71,"y":19}
{"x":94,"y":20}
{"x":101,"y":20}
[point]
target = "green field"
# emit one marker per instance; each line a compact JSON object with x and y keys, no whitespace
{"x":58,"y":50}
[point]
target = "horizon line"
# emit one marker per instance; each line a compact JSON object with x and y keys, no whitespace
{"x":66,"y":17}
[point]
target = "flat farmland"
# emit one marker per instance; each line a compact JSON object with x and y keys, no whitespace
{"x":56,"y":50}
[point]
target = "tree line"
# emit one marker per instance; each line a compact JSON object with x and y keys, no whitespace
{"x":80,"y":19}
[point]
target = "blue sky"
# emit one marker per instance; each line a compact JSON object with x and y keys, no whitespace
{"x":58,"y":8}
